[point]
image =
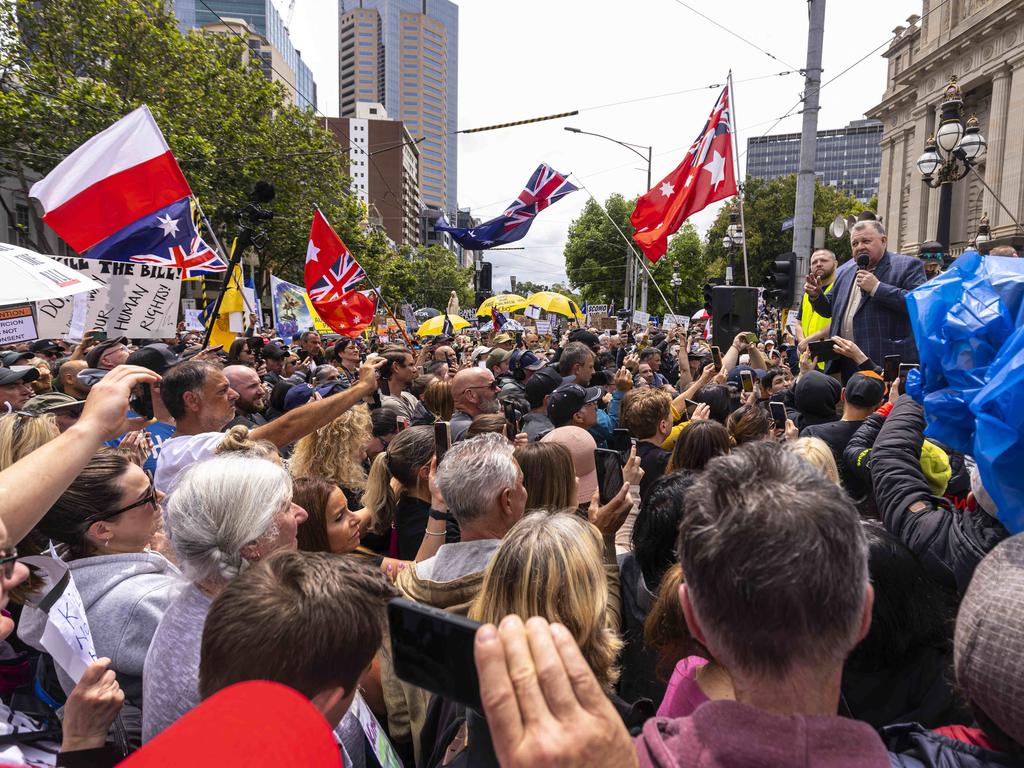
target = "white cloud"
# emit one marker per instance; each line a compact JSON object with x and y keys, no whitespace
{"x":541,"y":57}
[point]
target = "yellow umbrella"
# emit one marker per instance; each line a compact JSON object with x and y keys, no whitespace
{"x":435,"y":325}
{"x":506,"y":302}
{"x":550,"y":301}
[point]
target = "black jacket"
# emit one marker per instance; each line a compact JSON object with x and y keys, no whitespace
{"x":913,"y":746}
{"x":949,"y":542}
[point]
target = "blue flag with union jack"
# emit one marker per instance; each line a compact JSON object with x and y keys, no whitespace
{"x":166,"y":238}
{"x":545,"y":187}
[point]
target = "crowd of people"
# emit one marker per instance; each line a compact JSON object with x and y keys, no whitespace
{"x":783,"y":570}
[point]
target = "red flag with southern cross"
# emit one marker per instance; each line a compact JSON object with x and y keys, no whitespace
{"x":705,"y":176}
{"x":331,"y":275}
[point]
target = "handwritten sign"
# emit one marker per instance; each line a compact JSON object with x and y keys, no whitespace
{"x":134,"y":300}
{"x":640,"y":318}
{"x":671,"y":321}
{"x":533,"y":312}
{"x":66,"y":636}
{"x":194,"y":320}
{"x":543,"y":327}
{"x":17,"y":324}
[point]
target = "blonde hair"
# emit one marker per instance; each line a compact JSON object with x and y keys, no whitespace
{"x":21,"y":434}
{"x":237,"y":441}
{"x":437,"y":398}
{"x":548,"y":475}
{"x":815,"y":451}
{"x":333,"y":451}
{"x":551,"y":565}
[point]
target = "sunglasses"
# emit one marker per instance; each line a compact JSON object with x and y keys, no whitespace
{"x":8,"y":559}
{"x":492,"y":385}
{"x":149,"y":498}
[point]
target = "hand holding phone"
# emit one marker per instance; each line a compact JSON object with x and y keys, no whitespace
{"x":823,"y":351}
{"x":716,"y":356}
{"x":891,"y":368}
{"x":747,"y":381}
{"x":609,"y":474}
{"x":442,"y":439}
{"x":778,"y":412}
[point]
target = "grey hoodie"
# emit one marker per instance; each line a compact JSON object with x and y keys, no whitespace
{"x":125,"y":596}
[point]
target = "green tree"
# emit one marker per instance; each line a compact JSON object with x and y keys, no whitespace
{"x":595,"y":252}
{"x":525,"y":287}
{"x":437,"y":274}
{"x":767,"y":204}
{"x":70,"y":68}
{"x":685,"y":257}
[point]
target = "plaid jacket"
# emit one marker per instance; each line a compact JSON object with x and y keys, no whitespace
{"x":882,"y":325}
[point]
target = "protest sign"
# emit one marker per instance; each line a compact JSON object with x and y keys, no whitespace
{"x":543,"y":327}
{"x":671,"y":321}
{"x":194,"y":320}
{"x":79,"y":314}
{"x":139,"y":301}
{"x":533,"y":312}
{"x":593,"y":310}
{"x":17,"y":324}
{"x":293,"y":312}
{"x":66,"y":636}
{"x":607,"y":323}
{"x":640,"y":318}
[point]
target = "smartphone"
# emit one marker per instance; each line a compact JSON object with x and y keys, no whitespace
{"x":402,"y":423}
{"x":747,"y":381}
{"x":716,"y":356}
{"x":609,"y":474}
{"x":442,"y":439}
{"x":99,"y":335}
{"x":433,"y":649}
{"x":906,"y":368}
{"x":778,"y":412}
{"x":621,"y":442}
{"x":691,"y":406}
{"x":142,"y":401}
{"x":752,"y":338}
{"x":891,"y":368}
{"x":823,"y":350}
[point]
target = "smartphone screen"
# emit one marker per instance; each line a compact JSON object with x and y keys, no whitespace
{"x":716,"y":356}
{"x":609,"y":474}
{"x":99,"y":335}
{"x":823,"y":350}
{"x":905,"y":368}
{"x":891,"y":367}
{"x":747,"y":380}
{"x":433,"y":649}
{"x":752,"y":338}
{"x":442,"y":439}
{"x":778,"y":412}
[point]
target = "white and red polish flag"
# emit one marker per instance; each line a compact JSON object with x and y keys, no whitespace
{"x":115,"y":178}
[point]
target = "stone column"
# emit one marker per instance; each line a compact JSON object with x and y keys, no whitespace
{"x":917,"y":210}
{"x":1011,"y":187}
{"x":885,"y":189}
{"x":994,"y":130}
{"x":898,"y":181}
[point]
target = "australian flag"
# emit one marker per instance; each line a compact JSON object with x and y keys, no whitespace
{"x":166,"y":238}
{"x":545,"y":187}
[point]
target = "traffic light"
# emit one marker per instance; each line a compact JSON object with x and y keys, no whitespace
{"x":781,"y":280}
{"x":709,"y":290}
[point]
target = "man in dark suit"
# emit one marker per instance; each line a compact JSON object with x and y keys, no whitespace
{"x":868,"y":304}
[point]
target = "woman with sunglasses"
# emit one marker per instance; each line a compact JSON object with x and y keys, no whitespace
{"x":102,"y":526}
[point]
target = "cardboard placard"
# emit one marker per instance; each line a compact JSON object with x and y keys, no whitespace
{"x":17,"y":324}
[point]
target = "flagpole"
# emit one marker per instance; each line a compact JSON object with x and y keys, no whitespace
{"x":629,"y":243}
{"x":216,"y":242}
{"x":736,"y":173}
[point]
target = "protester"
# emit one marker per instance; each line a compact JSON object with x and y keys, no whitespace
{"x":817,"y":452}
{"x":251,"y":396}
{"x":396,"y":377}
{"x":437,"y":398}
{"x":67,"y":379}
{"x":748,"y":423}
{"x":538,"y":394}
{"x":700,"y":442}
{"x":810,"y":325}
{"x":868,"y":304}
{"x":647,"y":414}
{"x":581,"y":447}
{"x":311,"y":347}
{"x":483,"y":489}
{"x":576,"y":365}
{"x":103,"y":526}
{"x":199,"y":397}
{"x":548,"y":476}
{"x":815,"y":398}
{"x":16,"y":386}
{"x":337,"y":452}
{"x":227,"y":511}
{"x":574,"y":405}
{"x":932,"y":256}
{"x":108,"y":354}
{"x":307,"y":620}
{"x":22,"y":432}
{"x":240,"y":353}
{"x":474,"y":391}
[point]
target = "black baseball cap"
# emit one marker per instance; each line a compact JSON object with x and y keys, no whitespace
{"x":93,"y":358}
{"x":525,"y":361}
{"x":25,"y":373}
{"x":864,"y":389}
{"x":541,"y":384}
{"x":568,"y":399}
{"x":11,"y":357}
{"x":583,"y":336}
{"x":157,"y":357}
{"x":275,"y":352}
{"x":46,"y":346}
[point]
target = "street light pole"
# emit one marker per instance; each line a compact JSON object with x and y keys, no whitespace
{"x":676,"y":282}
{"x":950,"y":154}
{"x":631,"y":267}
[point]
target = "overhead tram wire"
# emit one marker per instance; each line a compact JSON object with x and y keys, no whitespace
{"x":733,"y":33}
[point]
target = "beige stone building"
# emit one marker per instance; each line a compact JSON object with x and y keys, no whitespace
{"x":981,"y":42}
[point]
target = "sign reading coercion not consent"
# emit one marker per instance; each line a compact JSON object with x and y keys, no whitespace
{"x":137,"y":301}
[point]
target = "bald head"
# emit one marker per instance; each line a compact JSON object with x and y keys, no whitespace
{"x":246,"y":382}
{"x":474,"y":391}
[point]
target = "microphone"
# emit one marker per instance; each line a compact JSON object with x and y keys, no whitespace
{"x":863,"y":260}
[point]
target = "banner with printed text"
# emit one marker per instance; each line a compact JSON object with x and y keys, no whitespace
{"x":139,"y":301}
{"x":293,"y":312}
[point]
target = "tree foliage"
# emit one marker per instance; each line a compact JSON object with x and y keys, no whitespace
{"x":767,"y":204}
{"x":70,"y":68}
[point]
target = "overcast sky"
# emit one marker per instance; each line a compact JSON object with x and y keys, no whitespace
{"x":539,"y":57}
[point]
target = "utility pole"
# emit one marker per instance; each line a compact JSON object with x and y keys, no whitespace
{"x":803,"y":215}
{"x":643,"y":277}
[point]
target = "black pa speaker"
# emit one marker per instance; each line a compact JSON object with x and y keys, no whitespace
{"x":733,"y":309}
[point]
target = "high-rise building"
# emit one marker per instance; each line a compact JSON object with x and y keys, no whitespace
{"x":846,"y":158}
{"x":384,"y":166}
{"x":266,"y":35}
{"x":405,"y":54}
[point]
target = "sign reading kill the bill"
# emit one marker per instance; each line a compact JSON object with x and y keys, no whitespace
{"x":137,"y":301}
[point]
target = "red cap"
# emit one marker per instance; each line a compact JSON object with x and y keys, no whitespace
{"x":256,"y":723}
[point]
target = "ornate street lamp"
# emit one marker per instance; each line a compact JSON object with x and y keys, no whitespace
{"x":984,"y":233}
{"x":732,"y":239}
{"x":950,"y":154}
